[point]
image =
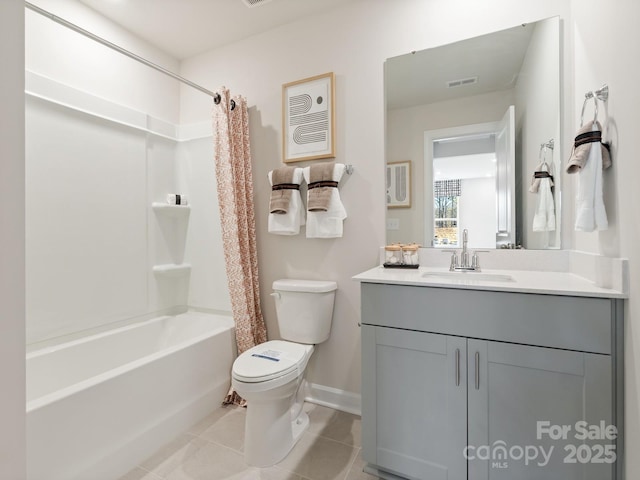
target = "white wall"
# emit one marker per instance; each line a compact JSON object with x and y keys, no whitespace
{"x":477,"y":208}
{"x":605,"y":39}
{"x":405,"y":141}
{"x":353,"y":42}
{"x":537,"y":107}
{"x":12,"y":274}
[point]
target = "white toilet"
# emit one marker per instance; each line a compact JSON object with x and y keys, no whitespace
{"x":270,"y":375}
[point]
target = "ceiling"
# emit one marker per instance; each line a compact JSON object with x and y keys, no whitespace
{"x":184,"y":28}
{"x":420,"y":78}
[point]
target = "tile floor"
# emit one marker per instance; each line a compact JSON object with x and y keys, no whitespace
{"x":213,"y":450}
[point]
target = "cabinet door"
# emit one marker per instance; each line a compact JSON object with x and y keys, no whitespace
{"x":414,"y":403}
{"x":512,"y":388}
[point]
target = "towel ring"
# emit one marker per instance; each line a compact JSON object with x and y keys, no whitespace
{"x":544,"y":147}
{"x":587,"y":96}
{"x":543,"y":154}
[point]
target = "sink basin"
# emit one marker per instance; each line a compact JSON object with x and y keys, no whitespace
{"x":470,"y":276}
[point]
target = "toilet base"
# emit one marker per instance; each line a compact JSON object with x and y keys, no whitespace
{"x":271,"y":431}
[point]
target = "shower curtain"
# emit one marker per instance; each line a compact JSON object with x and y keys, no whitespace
{"x":235,"y":199}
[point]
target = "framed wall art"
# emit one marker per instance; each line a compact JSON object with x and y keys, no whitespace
{"x":308,"y":118}
{"x":399,"y":184}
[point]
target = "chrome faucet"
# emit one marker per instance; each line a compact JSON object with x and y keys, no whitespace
{"x":464,"y":265}
{"x":464,"y":255}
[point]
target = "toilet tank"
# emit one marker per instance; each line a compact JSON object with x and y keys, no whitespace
{"x":304,"y":309}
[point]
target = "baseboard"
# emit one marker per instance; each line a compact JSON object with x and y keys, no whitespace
{"x":380,"y":473}
{"x":333,"y":398}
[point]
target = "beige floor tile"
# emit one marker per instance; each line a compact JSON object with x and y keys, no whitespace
{"x":212,"y":450}
{"x":173,"y":454}
{"x":140,"y":474}
{"x":356,"y":473}
{"x":319,"y":458}
{"x":334,"y":424}
{"x":228,"y":430}
{"x":212,"y":462}
{"x":212,"y":418}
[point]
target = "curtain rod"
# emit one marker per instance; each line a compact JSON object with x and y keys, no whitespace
{"x":117,"y":48}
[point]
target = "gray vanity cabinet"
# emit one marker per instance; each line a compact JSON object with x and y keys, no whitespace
{"x":448,"y":371}
{"x":418,"y":398}
{"x":513,"y":387}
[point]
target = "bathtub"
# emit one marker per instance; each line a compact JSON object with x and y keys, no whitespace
{"x":98,"y":406}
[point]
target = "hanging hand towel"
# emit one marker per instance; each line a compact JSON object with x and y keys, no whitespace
{"x":281,"y":189}
{"x":542,"y":171}
{"x":321,"y":223}
{"x":590,"y":210}
{"x":544,"y":219}
{"x":288,"y":223}
{"x":320,"y":185}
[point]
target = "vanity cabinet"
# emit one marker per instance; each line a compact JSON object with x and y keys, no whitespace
{"x":504,"y":377}
{"x":416,"y":387}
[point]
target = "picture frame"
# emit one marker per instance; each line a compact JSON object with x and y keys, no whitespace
{"x":308,"y":118}
{"x":398,"y":181}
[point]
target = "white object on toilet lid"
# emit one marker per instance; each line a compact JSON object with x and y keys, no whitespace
{"x":269,"y":360}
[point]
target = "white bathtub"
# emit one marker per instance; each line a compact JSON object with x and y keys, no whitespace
{"x":98,"y":406}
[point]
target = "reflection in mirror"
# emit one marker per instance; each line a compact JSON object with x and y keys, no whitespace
{"x":471,"y":117}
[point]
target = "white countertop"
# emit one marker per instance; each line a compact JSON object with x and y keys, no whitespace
{"x":547,"y":283}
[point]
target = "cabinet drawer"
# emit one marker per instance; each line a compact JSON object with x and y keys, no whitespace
{"x":573,"y":323}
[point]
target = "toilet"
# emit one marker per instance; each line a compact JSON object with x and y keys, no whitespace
{"x":270,"y":376}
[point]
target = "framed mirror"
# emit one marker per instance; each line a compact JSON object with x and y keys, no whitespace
{"x":477,"y":119}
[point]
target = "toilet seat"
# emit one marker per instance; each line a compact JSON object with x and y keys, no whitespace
{"x":271,"y":360}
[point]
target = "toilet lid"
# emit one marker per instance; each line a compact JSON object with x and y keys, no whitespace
{"x":269,"y":360}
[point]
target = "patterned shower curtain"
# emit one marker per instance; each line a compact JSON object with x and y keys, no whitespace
{"x":237,"y":216}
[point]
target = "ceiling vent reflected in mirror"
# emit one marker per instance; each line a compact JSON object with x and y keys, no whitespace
{"x":254,"y":3}
{"x":462,"y":82}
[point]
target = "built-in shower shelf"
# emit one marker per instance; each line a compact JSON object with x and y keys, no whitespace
{"x":171,"y":210}
{"x":172,"y":269}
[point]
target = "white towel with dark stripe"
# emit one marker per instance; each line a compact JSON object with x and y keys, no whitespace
{"x":590,"y":210}
{"x":544,"y":219}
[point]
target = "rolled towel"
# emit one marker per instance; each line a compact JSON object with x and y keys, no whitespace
{"x":281,"y":190}
{"x":320,"y":185}
{"x":588,"y":135}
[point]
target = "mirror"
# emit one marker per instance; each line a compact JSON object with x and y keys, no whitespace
{"x":467,"y":126}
